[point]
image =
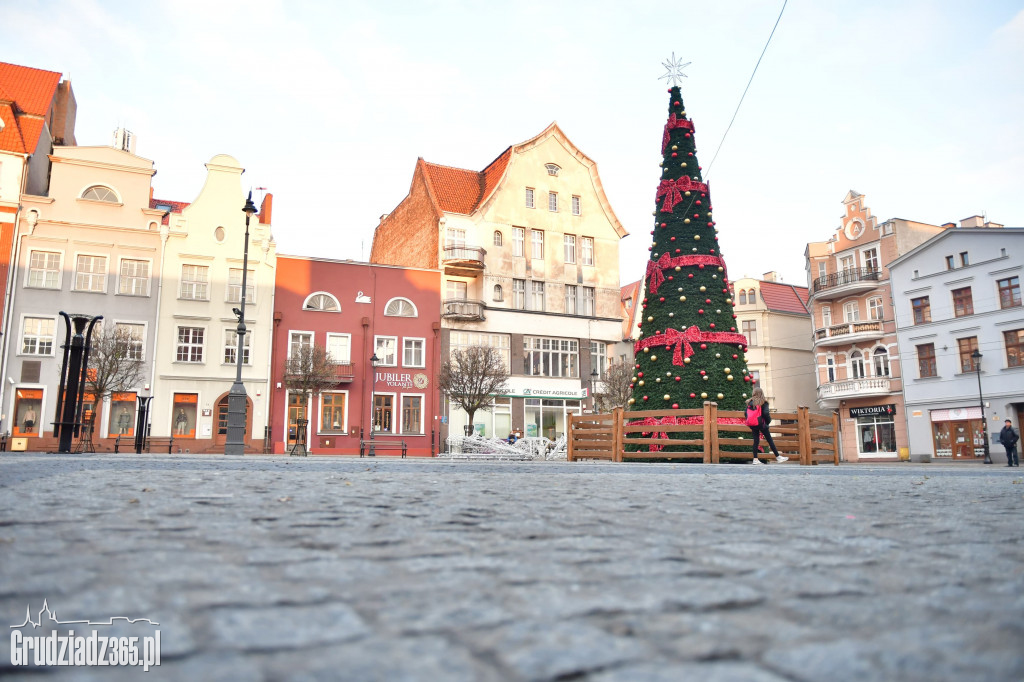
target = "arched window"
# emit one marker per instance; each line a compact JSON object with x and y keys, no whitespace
{"x":743,"y":296}
{"x":101,"y":193}
{"x":498,"y":293}
{"x":322,"y":301}
{"x":751,"y":296}
{"x":552,"y":168}
{"x":400,"y":307}
{"x":497,"y":238}
{"x":856,"y":365}
{"x":881,"y":362}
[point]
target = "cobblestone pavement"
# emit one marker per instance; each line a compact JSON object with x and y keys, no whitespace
{"x":351,"y":569}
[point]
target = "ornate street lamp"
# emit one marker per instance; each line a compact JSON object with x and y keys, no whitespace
{"x":594,"y":376}
{"x":976,"y":356}
{"x":237,"y":399}
{"x":373,"y":380}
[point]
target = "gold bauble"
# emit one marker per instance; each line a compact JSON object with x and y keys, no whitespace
{"x":667,"y":397}
{"x":682,"y":298}
{"x":703,"y":288}
{"x":720,"y":396}
{"x":696,"y":237}
{"x":729,"y":378}
{"x":654,"y":358}
{"x":631,"y":401}
{"x":686,"y":360}
{"x":650,"y":318}
{"x":640,"y":383}
{"x":703,"y":395}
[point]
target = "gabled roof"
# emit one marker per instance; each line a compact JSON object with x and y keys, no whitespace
{"x":784,"y":298}
{"x":26,"y":95}
{"x":632,"y":292}
{"x":457,"y":190}
{"x":171,"y":207}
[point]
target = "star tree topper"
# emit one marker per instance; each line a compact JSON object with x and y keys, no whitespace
{"x":674,"y":70}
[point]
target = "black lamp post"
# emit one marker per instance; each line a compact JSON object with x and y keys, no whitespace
{"x":594,"y":376}
{"x":373,"y":380}
{"x":976,"y":356}
{"x":237,"y":399}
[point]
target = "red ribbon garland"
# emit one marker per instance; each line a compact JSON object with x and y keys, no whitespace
{"x":672,"y":191}
{"x":673,"y":123}
{"x":655,"y":276}
{"x":681,"y":340}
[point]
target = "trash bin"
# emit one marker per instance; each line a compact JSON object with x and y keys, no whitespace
{"x":904,"y":454}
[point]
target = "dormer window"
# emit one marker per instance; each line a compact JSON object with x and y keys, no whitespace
{"x":322,"y":301}
{"x":101,"y":193}
{"x":552,"y":168}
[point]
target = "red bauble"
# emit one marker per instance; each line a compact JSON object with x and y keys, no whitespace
{"x":679,"y":250}
{"x":734,"y":356}
{"x":707,"y":300}
{"x":675,"y":406}
{"x":645,"y":397}
{"x":712,"y":325}
{"x":676,"y":103}
{"x":701,"y":311}
{"x":674,"y":155}
{"x":701,"y":266}
{"x":670,"y":278}
{"x":696,"y":215}
{"x":690,"y":275}
{"x":703,"y":346}
{"x":702,"y":372}
{"x":661,"y":300}
{"x":678,"y":378}
{"x":691,"y":153}
{"x":664,"y":225}
{"x":698,"y":202}
{"x":640,"y":374}
{"x":671,"y":239}
{"x":693,"y":395}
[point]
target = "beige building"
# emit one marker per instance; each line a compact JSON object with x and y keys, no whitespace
{"x":529,"y":249}
{"x":777,"y":323}
{"x":201,"y":262}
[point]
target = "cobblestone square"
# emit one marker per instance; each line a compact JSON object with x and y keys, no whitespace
{"x":274,"y":568}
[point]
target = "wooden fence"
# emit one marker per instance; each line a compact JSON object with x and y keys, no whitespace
{"x":708,"y":434}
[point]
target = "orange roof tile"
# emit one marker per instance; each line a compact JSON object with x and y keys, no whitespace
{"x":463,"y":191}
{"x":26,"y":95}
{"x":785,"y":298}
{"x":10,"y":137}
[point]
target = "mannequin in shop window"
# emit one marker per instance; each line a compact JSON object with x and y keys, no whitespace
{"x":180,"y":422}
{"x":124,"y":421}
{"x":29,"y":422}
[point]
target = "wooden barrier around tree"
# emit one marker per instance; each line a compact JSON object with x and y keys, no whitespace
{"x":804,"y":437}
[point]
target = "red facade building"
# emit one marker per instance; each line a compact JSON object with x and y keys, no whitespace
{"x":357,"y":311}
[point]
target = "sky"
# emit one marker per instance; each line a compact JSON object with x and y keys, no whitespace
{"x":915,"y":104}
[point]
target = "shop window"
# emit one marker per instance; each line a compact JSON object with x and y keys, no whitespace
{"x":28,"y":408}
{"x":122,"y":415}
{"x":383,"y":411}
{"x":412,"y":414}
{"x":332,"y":413}
{"x":183,"y":424}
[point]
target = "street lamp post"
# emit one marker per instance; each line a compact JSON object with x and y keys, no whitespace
{"x":594,"y":376}
{"x":237,"y":399}
{"x":373,"y":380}
{"x":976,"y":356}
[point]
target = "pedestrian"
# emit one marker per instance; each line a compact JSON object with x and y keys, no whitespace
{"x":1008,"y":437}
{"x":758,"y":419}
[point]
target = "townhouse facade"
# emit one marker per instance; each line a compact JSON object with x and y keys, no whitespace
{"x":855,"y":346}
{"x":776,"y":320}
{"x":957,"y":295}
{"x":357,"y":312}
{"x":529,"y":253}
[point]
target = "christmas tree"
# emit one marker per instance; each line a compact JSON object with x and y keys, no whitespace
{"x":689,"y":350}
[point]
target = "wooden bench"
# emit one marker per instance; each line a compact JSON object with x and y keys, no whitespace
{"x":364,"y":446}
{"x":159,"y":442}
{"x":117,"y":441}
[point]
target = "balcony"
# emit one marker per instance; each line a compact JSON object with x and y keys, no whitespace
{"x":344,"y":372}
{"x":463,"y":261}
{"x":462,"y":309}
{"x":851,"y":332}
{"x":853,"y":388}
{"x":845,"y":283}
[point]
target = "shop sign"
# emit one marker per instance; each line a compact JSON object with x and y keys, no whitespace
{"x":402,"y":379}
{"x":889,"y":410}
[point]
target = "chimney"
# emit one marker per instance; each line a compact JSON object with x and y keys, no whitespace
{"x":771,"y":276}
{"x":124,"y":140}
{"x":973,"y":221}
{"x":65,"y":109}
{"x":266,"y":207}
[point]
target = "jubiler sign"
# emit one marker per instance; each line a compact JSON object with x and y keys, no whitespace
{"x":888,"y":410}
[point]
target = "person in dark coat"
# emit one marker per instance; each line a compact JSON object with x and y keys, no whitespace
{"x":757,"y":400}
{"x":1008,"y":437}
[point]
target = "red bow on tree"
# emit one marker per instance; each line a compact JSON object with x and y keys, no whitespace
{"x":655,"y":276}
{"x":673,"y":123}
{"x":681,"y":341}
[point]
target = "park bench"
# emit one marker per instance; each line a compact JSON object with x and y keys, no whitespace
{"x":117,"y":441}
{"x":160,"y":442}
{"x":364,"y":446}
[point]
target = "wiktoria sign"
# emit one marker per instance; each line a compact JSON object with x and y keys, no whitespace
{"x":402,"y":379}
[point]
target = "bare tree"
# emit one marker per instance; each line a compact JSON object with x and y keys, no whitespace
{"x":615,"y":391}
{"x":310,"y":370}
{"x":471,"y":377}
{"x":115,"y":362}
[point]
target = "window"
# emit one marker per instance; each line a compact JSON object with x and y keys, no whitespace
{"x":949,"y":263}
{"x":871,"y":259}
{"x":743,"y":296}
{"x":518,"y":240}
{"x":587,"y":254}
{"x":963,"y":302}
{"x":529,"y":197}
{"x":190,"y":344}
{"x":386,"y":350}
{"x":537,"y":296}
{"x":755,"y":377}
{"x":537,"y":244}
{"x":455,"y":290}
{"x":553,"y":202}
{"x":500,"y":342}
{"x":194,"y":282}
{"x":332,"y":413}
{"x":1014,"y":341}
{"x":133,"y":335}
{"x":519,"y":294}
{"x":575,"y":205}
{"x":299,"y":342}
{"x":822,"y":269}
{"x":628,"y":303}
{"x":323,"y":302}
{"x":412,"y":414}
{"x":881,"y":362}
{"x":412,"y":352}
{"x":101,"y":193}
{"x":498,"y":293}
{"x":497,"y":238}
{"x":37,"y":336}
{"x":851,"y":312}
{"x":454,"y":237}
{"x":91,"y":273}
{"x":235,"y":285}
{"x":383,"y":408}
{"x":922,"y":310}
{"x":826,"y":317}
{"x":875,"y":310}
{"x":588,"y":301}
{"x":570,"y":299}
{"x":339,"y":347}
{"x":830,"y":368}
{"x":231,"y":347}
{"x":44,"y":269}
{"x":552,"y":168}
{"x":1009,"y":292}
{"x":857,"y":365}
{"x":750,"y":331}
{"x":570,"y":248}
{"x":400,"y":307}
{"x":751,"y":296}
{"x":846,"y":263}
{"x":545,"y":357}
{"x":926,"y":360}
{"x":965,"y":348}
{"x":964,"y":260}
{"x":599,"y":358}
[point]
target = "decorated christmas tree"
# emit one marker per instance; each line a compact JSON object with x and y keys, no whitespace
{"x":689,"y":350}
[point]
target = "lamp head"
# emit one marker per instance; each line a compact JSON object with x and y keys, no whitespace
{"x":976,"y":354}
{"x":374,"y":359}
{"x":237,"y":312}
{"x":250,"y":208}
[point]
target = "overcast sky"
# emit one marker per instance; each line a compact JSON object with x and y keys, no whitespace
{"x":915,"y":104}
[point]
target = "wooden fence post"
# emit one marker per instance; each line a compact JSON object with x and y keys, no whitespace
{"x":707,"y":433}
{"x":571,"y":439}
{"x":803,"y":434}
{"x":617,"y":424}
{"x":716,"y":450}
